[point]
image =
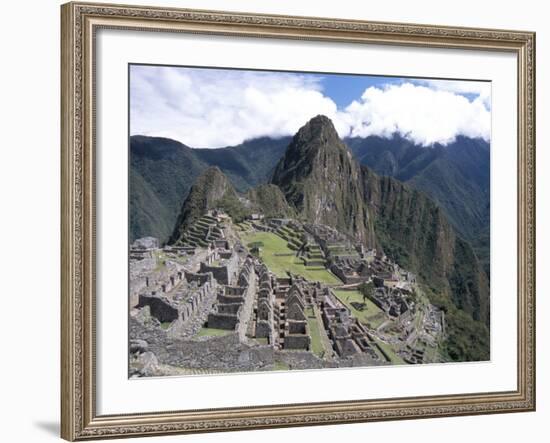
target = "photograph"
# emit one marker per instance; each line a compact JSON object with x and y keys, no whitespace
{"x":287,"y":217}
{"x":282,"y":221}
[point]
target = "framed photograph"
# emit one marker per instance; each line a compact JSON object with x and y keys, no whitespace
{"x":282,"y":221}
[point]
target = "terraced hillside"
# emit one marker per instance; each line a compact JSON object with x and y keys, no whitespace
{"x":201,"y":232}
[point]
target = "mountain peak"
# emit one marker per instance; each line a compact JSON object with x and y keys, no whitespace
{"x":320,"y":120}
{"x":208,"y":191}
{"x":211,"y":179}
{"x":320,"y":128}
{"x":321,"y":181}
{"x":212,"y":172}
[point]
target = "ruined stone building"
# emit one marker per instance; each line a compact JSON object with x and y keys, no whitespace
{"x":230,"y":309}
{"x":177,"y":296}
{"x":348,"y":336}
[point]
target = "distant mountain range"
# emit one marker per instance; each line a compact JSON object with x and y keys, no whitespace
{"x":162,"y":172}
{"x":317,"y":179}
{"x":456,"y":177}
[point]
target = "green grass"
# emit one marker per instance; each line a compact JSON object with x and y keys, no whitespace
{"x":166,"y":324}
{"x":316,"y":344}
{"x":273,"y":244}
{"x":370,"y":314}
{"x":212,"y":332}
{"x":394,"y":358}
{"x":418,"y":317}
{"x":160,"y":257}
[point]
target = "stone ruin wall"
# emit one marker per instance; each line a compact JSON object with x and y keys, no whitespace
{"x":166,"y":306}
{"x":226,"y":272}
{"x":233,"y":306}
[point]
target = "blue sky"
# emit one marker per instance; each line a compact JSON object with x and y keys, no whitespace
{"x":343,"y":89}
{"x":208,"y":108}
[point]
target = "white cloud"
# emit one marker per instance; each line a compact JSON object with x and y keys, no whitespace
{"x":219,"y":108}
{"x":420,"y":113}
{"x":481,"y":89}
{"x":213,"y":108}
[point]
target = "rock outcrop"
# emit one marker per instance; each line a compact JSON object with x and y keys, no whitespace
{"x":322,"y":182}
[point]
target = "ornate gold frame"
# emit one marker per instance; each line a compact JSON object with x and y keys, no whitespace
{"x":79,"y":22}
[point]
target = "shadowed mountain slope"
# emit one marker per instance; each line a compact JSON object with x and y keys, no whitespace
{"x":322,"y":182}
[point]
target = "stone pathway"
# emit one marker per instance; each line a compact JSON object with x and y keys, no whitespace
{"x":248,"y":307}
{"x":327,"y":345}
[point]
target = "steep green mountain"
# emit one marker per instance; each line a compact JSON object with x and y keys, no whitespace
{"x":248,"y":164}
{"x":456,"y":177}
{"x":415,"y":232}
{"x":163,"y":170}
{"x":322,"y":182}
{"x":269,"y":200}
{"x":211,"y":190}
{"x":161,"y":173}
